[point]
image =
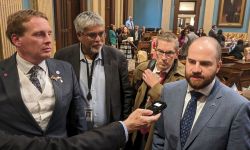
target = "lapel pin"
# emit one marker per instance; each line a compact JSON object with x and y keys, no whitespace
{"x":5,"y":74}
{"x":57,"y":72}
{"x":56,"y":78}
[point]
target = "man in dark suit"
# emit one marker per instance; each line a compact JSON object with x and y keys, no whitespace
{"x":212,"y":32}
{"x":112,"y":136}
{"x":136,"y":35}
{"x":39,"y":96}
{"x":101,"y":70}
{"x":202,"y":112}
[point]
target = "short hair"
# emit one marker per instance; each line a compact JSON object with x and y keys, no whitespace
{"x":219,"y":31}
{"x":168,"y":37}
{"x":87,"y":19}
{"x":15,"y":21}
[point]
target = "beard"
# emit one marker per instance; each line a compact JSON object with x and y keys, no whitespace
{"x":95,"y":50}
{"x":202,"y":82}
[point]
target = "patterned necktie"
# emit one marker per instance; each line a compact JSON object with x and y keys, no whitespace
{"x":162,"y":75}
{"x":33,"y":77}
{"x":188,"y":117}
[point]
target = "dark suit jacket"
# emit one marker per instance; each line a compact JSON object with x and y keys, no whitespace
{"x":119,"y":93}
{"x":106,"y":138}
{"x":237,"y":52}
{"x":212,"y":33}
{"x":68,"y":114}
{"x":139,"y":34}
{"x":223,"y":123}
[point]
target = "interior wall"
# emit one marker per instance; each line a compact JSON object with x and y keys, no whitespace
{"x":208,"y":14}
{"x":148,"y":13}
{"x":166,"y":14}
{"x":202,"y":13}
{"x":26,"y":4}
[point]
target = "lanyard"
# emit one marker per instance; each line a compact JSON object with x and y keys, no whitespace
{"x":89,"y":76}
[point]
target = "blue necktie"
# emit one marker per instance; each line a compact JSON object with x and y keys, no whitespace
{"x":33,"y":77}
{"x":188,"y":117}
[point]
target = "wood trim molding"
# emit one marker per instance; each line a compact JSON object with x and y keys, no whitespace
{"x":209,"y":11}
{"x":166,"y":14}
{"x":125,"y":10}
{"x":196,"y":12}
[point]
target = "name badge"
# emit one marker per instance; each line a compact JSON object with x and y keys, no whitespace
{"x":89,"y":114}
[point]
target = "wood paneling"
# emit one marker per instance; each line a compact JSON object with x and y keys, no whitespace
{"x":7,"y":8}
{"x":65,"y":13}
{"x":125,"y":10}
{"x":109,"y":12}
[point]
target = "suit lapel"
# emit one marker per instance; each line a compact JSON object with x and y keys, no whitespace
{"x":176,"y":106}
{"x":54,"y":71}
{"x":212,"y":104}
{"x":11,"y":82}
{"x":108,"y":78}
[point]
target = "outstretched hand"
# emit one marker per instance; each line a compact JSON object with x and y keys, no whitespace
{"x":140,"y":118}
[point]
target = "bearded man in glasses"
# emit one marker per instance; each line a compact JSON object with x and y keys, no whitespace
{"x":102,"y":72}
{"x":149,"y":78}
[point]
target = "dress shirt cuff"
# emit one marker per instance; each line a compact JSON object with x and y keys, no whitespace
{"x":125,"y":130}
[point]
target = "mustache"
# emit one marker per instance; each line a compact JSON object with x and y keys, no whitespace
{"x":197,"y":75}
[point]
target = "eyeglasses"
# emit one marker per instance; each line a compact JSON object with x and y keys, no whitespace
{"x":93,"y":35}
{"x":166,"y":53}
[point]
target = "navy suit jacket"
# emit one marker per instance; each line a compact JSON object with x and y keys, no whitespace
{"x":119,"y":93}
{"x":223,"y":124}
{"x":68,"y":115}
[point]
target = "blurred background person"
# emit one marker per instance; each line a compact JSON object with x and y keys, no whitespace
{"x":200,"y":32}
{"x":130,"y":23}
{"x":212,"y":31}
{"x":238,"y":50}
{"x":112,"y":36}
{"x":220,"y":38}
{"x":182,"y":37}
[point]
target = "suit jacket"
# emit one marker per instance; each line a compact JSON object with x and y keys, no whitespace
{"x":212,"y":33}
{"x":105,"y":138}
{"x":139,"y":35}
{"x":223,"y":124}
{"x":68,"y":114}
{"x":119,"y":93}
{"x":237,"y":52}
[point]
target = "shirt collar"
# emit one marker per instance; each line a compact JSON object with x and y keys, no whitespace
{"x":25,"y":66}
{"x":205,"y":91}
{"x":158,"y":71}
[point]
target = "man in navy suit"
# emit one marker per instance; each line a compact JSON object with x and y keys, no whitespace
{"x":39,"y":96}
{"x":202,"y":113}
